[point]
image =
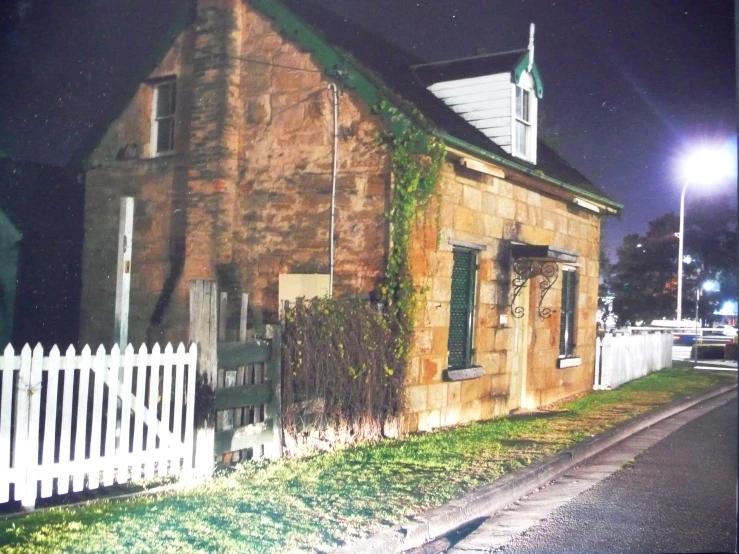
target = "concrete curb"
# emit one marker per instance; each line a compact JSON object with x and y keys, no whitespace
{"x":491,"y":498}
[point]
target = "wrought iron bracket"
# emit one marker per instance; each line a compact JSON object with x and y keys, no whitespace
{"x":524,"y":269}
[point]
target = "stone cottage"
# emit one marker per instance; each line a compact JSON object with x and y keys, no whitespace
{"x":261,"y":115}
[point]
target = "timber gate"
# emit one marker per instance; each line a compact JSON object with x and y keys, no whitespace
{"x":243,"y":376}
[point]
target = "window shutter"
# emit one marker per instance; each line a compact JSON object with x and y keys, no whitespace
{"x":568,"y":313}
{"x":461,"y":308}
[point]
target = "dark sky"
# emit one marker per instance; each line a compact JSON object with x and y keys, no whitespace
{"x":628,"y":84}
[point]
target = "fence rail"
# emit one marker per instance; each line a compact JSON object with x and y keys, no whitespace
{"x":86,"y":420}
{"x":623,"y":358}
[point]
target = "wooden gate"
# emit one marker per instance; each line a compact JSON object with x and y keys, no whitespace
{"x":243,"y":377}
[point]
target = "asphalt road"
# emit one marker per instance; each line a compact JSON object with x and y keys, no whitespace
{"x":679,"y":495}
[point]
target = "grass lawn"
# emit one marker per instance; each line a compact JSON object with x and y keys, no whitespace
{"x":315,"y":504}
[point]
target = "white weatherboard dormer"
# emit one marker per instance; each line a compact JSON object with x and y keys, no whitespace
{"x":498,"y":94}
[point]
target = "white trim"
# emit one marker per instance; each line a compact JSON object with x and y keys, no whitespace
{"x":468,"y":245}
{"x":154,"y":122}
{"x":568,"y":362}
{"x":587,"y":205}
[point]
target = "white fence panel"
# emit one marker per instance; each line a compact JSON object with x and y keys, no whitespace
{"x":101,"y":418}
{"x":621,"y":358}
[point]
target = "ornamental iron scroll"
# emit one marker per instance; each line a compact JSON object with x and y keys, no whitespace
{"x":523,"y":270}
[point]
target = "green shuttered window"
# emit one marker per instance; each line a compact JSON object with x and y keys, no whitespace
{"x":568,"y":314}
{"x":462,"y":308}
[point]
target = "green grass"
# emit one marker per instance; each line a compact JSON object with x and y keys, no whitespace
{"x":315,"y":504}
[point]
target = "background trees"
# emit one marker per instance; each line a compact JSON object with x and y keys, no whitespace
{"x":644,"y":278}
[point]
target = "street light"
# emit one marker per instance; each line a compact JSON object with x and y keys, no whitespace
{"x":705,"y":166}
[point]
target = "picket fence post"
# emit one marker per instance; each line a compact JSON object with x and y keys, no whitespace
{"x":204,"y":331}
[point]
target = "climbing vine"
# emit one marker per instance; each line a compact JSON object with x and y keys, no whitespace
{"x":346,"y":358}
{"x":416,"y":159}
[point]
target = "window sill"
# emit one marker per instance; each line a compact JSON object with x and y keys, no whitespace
{"x":569,"y":362}
{"x":463,"y":374}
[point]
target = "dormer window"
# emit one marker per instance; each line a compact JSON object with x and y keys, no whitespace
{"x":522,"y":126}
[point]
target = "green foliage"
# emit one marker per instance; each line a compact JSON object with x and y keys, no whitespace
{"x":417,"y":158}
{"x":313,"y":505}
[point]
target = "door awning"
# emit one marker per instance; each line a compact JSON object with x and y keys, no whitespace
{"x":532,"y":260}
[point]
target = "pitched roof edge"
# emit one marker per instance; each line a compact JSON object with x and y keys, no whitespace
{"x":614,"y":206}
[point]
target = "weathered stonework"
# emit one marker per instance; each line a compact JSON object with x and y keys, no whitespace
{"x":246,"y":196}
{"x":490,"y":212}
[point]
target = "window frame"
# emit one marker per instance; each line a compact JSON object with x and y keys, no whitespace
{"x":522,"y":121}
{"x":469,"y":347}
{"x":158,"y":119}
{"x":568,"y":314}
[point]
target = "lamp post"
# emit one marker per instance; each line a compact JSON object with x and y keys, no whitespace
{"x":706,"y":165}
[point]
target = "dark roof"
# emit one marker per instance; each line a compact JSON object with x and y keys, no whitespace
{"x":465,"y":68}
{"x":391,"y":68}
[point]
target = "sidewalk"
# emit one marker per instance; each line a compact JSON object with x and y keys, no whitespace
{"x":485,"y":501}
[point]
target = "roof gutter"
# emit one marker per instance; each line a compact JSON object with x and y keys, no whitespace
{"x":608,"y":204}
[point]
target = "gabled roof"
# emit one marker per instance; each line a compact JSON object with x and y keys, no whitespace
{"x":340,"y":44}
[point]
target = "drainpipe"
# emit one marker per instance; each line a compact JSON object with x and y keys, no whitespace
{"x":335,"y":156}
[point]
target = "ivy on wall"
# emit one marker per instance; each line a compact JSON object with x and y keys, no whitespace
{"x":345,"y":353}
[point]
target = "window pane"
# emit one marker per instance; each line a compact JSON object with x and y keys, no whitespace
{"x":165,"y":135}
{"x":522,"y":104}
{"x":522,"y":138}
{"x":461,"y":307}
{"x":567,"y":314}
{"x":165,"y":100}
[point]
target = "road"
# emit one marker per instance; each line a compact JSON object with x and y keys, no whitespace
{"x":671,"y":488}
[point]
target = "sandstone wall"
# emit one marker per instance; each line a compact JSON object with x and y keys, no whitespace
{"x":246,"y":195}
{"x":491,"y":212}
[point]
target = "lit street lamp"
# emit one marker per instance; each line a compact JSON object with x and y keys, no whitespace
{"x":705,"y":166}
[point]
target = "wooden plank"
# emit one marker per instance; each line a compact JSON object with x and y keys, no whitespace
{"x":6,"y":410}
{"x":243,"y":318}
{"x":274,"y":408}
{"x":188,"y":452}
{"x":234,"y":354}
{"x":152,"y":423}
{"x":97,"y":415}
{"x":138,"y":408}
{"x":52,"y":389}
{"x":123,"y":273}
{"x":164,"y":440}
{"x":80,"y":439}
{"x":250,"y":436}
{"x":124,"y":446}
{"x":222,"y":316}
{"x":247,"y":395}
{"x":65,"y":439}
{"x":179,"y":388}
{"x":112,"y":417}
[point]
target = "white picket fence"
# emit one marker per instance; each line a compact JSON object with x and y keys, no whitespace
{"x":623,"y":358}
{"x":107,"y":418}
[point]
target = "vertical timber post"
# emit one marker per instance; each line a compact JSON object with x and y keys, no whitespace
{"x":123,"y":274}
{"x":204,"y":332}
{"x":274,"y":408}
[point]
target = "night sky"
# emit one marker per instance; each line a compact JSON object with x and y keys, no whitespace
{"x":628,"y":84}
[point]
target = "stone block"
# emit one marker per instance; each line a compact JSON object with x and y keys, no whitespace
{"x":450,"y":416}
{"x":437,"y":396}
{"x":492,"y":226}
{"x":503,"y":339}
{"x":465,"y":219}
{"x":471,"y":198}
{"x":499,"y":383}
{"x":470,"y":411}
{"x":441,"y":341}
{"x":423,"y":341}
{"x":485,"y":339}
{"x":429,"y":420}
{"x":412,"y":375}
{"x":488,"y":293}
{"x":490,"y":361}
{"x":431,"y":370}
{"x":441,"y":289}
{"x":416,"y":398}
{"x":436,"y":314}
{"x":454,"y":391}
{"x":470,"y":391}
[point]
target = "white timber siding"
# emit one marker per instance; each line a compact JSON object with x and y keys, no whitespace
{"x":93,"y":419}
{"x":484,"y":102}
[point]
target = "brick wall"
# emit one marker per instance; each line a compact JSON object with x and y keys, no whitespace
{"x":490,"y":211}
{"x":246,"y":195}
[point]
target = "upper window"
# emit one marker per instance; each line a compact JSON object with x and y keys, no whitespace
{"x":568,"y":314}
{"x":461,"y":314}
{"x":162,"y":128}
{"x":522,"y":125}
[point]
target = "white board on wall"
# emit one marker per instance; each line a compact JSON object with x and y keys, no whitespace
{"x":308,"y":285}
